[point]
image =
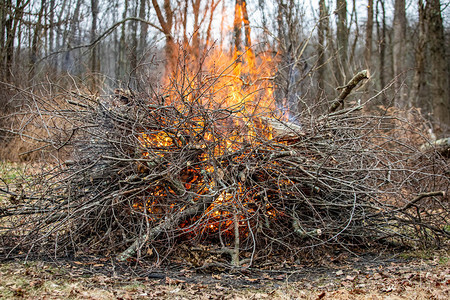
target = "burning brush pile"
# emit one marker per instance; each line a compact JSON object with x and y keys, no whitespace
{"x":200,"y":164}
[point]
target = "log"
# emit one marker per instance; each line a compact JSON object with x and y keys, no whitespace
{"x":283,"y":130}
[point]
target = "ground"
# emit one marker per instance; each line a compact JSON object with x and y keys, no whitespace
{"x":411,"y":275}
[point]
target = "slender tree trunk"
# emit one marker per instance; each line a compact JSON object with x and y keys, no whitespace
{"x":321,"y":47}
{"x":11,"y":20}
{"x":184,"y":18}
{"x":241,"y":21}
{"x":122,"y":45}
{"x":398,"y":52}
{"x":439,"y":86}
{"x":381,"y":36}
{"x":418,"y":98}
{"x":211,"y":18}
{"x":166,"y":23}
{"x":248,"y":41}
{"x":134,"y":47}
{"x":51,"y":31}
{"x":35,"y":46}
{"x":144,"y":29}
{"x":95,"y":64}
{"x":237,"y":29}
{"x":7,"y":39}
{"x":369,"y":30}
{"x":58,"y":38}
{"x":353,"y":20}
{"x":70,"y":36}
{"x":196,"y":33}
{"x":342,"y":40}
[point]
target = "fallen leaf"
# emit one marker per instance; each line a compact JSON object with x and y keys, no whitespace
{"x":339,"y":273}
{"x":350,"y":278}
{"x":321,"y":295}
{"x":173,"y":281}
{"x":175,"y":290}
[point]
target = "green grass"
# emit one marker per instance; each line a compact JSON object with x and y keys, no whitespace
{"x":11,"y":172}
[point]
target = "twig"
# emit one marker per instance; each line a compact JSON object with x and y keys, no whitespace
{"x":336,"y":103}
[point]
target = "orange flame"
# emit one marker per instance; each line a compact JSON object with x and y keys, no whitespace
{"x":241,"y":84}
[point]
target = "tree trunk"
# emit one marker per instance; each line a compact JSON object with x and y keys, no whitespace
{"x":418,"y":97}
{"x":134,"y":48}
{"x":248,"y":41}
{"x":321,"y":47}
{"x":381,"y":36}
{"x":122,"y":45}
{"x":166,"y":23}
{"x":71,"y":35}
{"x":7,"y":39}
{"x":11,"y":18}
{"x":196,"y":33}
{"x":342,"y":40}
{"x":438,"y":67}
{"x":144,"y":29}
{"x":95,"y":65}
{"x":51,"y":31}
{"x":369,"y":30}
{"x":399,"y":53}
{"x":237,"y":29}
{"x":211,"y":18}
{"x":35,"y":46}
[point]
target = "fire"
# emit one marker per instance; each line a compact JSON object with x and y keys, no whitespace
{"x":240,"y":87}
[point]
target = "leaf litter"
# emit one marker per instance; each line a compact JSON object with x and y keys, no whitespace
{"x":359,"y":278}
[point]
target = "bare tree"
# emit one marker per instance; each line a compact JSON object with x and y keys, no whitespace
{"x":166,"y":20}
{"x":241,"y":21}
{"x":10,"y":18}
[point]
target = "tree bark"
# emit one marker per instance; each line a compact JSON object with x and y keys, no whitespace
{"x":321,"y":47}
{"x":166,"y":22}
{"x":399,"y":53}
{"x":196,"y":33}
{"x":95,"y":65}
{"x":247,"y":41}
{"x":369,"y":30}
{"x":122,"y":46}
{"x":438,"y":66}
{"x":342,"y":40}
{"x":418,"y":98}
{"x":144,"y":28}
{"x":36,"y":43}
{"x":381,"y":36}
{"x":237,"y":29}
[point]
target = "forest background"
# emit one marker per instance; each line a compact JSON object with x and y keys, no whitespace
{"x":315,"y":46}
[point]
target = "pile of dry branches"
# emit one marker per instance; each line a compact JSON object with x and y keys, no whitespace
{"x":145,"y":174}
